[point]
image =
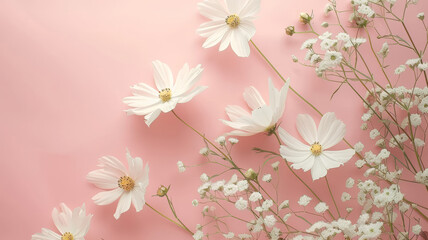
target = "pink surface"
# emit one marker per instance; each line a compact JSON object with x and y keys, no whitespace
{"x":65,"y":67}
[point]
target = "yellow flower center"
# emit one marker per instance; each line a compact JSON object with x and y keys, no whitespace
{"x":233,"y":20}
{"x":165,"y":94}
{"x":316,"y":149}
{"x":126,"y":183}
{"x":67,"y":236}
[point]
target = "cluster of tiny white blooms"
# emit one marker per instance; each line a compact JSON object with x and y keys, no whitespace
{"x":422,"y":177}
{"x":181,"y":167}
{"x":233,"y":140}
{"x":321,"y":207}
{"x":275,"y":165}
{"x":388,"y":195}
{"x":269,"y":221}
{"x":229,"y":235}
{"x":358,"y":147}
{"x":198,"y":235}
{"x":363,"y":8}
{"x":221,"y":140}
{"x":255,"y":196}
{"x":304,"y":200}
{"x":204,"y":151}
{"x":266,"y":205}
{"x":371,"y":230}
{"x":267,"y":178}
{"x":241,"y":204}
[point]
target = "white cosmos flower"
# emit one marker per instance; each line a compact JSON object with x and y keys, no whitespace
{"x":150,"y":102}
{"x":128,"y":185}
{"x":231,"y":23}
{"x":315,"y":155}
{"x":263,"y":117}
{"x":72,"y":225}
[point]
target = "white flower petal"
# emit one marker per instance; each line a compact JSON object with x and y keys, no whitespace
{"x":102,"y":179}
{"x":123,"y":205}
{"x":225,"y":41}
{"x":293,"y":155}
{"x":263,"y":116}
{"x":307,"y":128}
{"x":137,"y":199}
{"x":239,"y":43}
{"x":251,"y":8}
{"x":162,"y":75}
{"x":236,"y":112}
{"x":253,"y":98}
{"x":212,"y":9}
{"x":46,"y":234}
{"x":107,"y":197}
{"x":135,"y":166}
{"x":208,"y":28}
{"x":113,"y":165}
{"x":235,"y":6}
{"x":331,"y":130}
{"x":60,"y":221}
{"x":188,"y":96}
{"x":291,"y":141}
{"x":145,"y":90}
{"x":215,"y":37}
{"x":318,"y":169}
{"x":168,"y":106}
{"x":306,"y":164}
{"x":152,"y":116}
{"x":340,"y":156}
{"x":247,"y":28}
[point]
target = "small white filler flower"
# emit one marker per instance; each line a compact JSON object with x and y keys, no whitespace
{"x":150,"y":102}
{"x":263,"y":117}
{"x":72,"y":225}
{"x":128,"y":185}
{"x":231,"y":23}
{"x":315,"y":155}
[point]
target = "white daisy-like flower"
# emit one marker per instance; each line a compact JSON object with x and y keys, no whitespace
{"x":127,"y":185}
{"x":72,"y":225}
{"x":150,"y":102}
{"x":315,"y":156}
{"x":263,"y":117}
{"x":231,"y":23}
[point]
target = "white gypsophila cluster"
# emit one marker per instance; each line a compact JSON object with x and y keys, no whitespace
{"x":241,"y":204}
{"x":204,"y":151}
{"x":198,"y":235}
{"x":422,"y":177}
{"x":321,"y":207}
{"x":229,"y":235}
{"x":269,"y":221}
{"x":181,"y":167}
{"x":388,"y":196}
{"x":255,"y":196}
{"x":265,"y":206}
{"x":304,"y":200}
{"x":284,"y":204}
{"x":267,"y":178}
{"x":358,"y":147}
{"x":275,"y":165}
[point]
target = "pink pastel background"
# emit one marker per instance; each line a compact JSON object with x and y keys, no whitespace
{"x":65,"y":67}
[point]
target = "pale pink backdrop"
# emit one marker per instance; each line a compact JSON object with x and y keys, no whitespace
{"x":65,"y":67}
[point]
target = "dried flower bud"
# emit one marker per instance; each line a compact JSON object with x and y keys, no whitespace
{"x":290,"y":30}
{"x":250,"y":174}
{"x":294,"y":58}
{"x":162,"y":191}
{"x":324,"y":24}
{"x":421,"y":16}
{"x":305,"y":18}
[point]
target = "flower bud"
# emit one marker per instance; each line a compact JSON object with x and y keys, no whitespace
{"x":324,"y":24}
{"x":421,"y":16}
{"x":250,"y":174}
{"x":290,"y":30}
{"x":305,"y":18}
{"x":162,"y":191}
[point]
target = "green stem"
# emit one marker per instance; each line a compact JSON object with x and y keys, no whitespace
{"x":169,"y":219}
{"x":332,"y":197}
{"x":171,"y":206}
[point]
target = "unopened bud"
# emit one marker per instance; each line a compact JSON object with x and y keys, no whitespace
{"x":290,"y":30}
{"x":162,"y":191}
{"x":250,"y":174}
{"x":421,"y":16}
{"x":305,"y":18}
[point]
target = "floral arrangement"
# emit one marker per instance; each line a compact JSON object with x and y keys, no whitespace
{"x":388,"y":201}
